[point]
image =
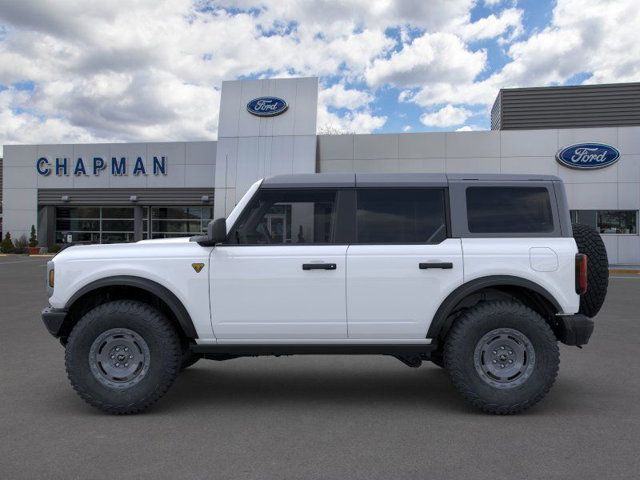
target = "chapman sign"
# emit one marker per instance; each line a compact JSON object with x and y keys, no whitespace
{"x":117,"y":166}
{"x":267,"y":106}
{"x":588,"y":156}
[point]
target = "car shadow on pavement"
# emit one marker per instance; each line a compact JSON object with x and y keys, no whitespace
{"x":253,"y":388}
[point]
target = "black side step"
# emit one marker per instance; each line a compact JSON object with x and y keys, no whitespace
{"x":253,"y":350}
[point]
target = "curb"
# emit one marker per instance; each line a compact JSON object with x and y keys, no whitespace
{"x":624,"y":270}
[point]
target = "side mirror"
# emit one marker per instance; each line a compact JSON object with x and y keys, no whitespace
{"x":217,"y":230}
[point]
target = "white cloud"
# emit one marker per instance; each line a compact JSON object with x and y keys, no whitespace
{"x":447,"y":116}
{"x":432,"y":57}
{"x":152,"y":70}
{"x":468,"y":128}
{"x":583,"y":37}
{"x":340,"y":97}
{"x":509,"y":20}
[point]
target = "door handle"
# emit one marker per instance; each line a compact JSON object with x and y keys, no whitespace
{"x":319,"y":266}
{"x":443,"y":265}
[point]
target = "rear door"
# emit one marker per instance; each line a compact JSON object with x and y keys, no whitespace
{"x":402,"y":264}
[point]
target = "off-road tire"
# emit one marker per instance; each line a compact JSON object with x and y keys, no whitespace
{"x":164,"y":356}
{"x":460,"y":347}
{"x":590,"y":243}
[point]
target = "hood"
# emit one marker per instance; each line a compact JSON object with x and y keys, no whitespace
{"x":145,"y":248}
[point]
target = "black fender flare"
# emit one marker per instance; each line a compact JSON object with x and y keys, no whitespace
{"x":439,"y":322}
{"x":154,"y":288}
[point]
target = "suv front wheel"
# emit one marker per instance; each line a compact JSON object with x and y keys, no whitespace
{"x":502,"y":356}
{"x":122,"y":356}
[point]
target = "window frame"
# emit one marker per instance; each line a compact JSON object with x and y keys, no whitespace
{"x":338,"y":222}
{"x":445,"y":204}
{"x":459,"y":217}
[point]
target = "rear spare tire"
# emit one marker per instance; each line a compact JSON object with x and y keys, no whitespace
{"x":590,"y":243}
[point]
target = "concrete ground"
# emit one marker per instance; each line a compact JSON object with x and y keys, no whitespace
{"x":316,"y":417}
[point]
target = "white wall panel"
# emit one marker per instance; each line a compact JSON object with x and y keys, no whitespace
{"x":628,"y":196}
{"x":375,"y":146}
{"x":386,"y":165}
{"x":473,"y":165}
{"x":524,"y":165}
{"x":628,"y":249}
{"x":421,"y":145}
{"x":629,"y":168}
{"x":592,"y":196}
{"x":611,"y":244}
{"x":199,"y":176}
{"x":472,"y":144}
{"x":335,"y":147}
{"x":336,"y":166}
{"x":528,"y":143}
{"x":571,"y":136}
{"x":421,"y":165}
{"x":629,"y":140}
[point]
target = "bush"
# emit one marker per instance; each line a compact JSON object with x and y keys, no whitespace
{"x":21,"y":244}
{"x":33,"y":239}
{"x":55,"y":248}
{"x":7,"y":244}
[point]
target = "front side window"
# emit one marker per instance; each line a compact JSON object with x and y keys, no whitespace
{"x":389,"y":215}
{"x":278,"y":217}
{"x":519,"y":210}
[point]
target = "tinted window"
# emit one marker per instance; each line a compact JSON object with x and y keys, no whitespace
{"x":509,"y":210}
{"x":288,"y":216}
{"x":389,"y":215}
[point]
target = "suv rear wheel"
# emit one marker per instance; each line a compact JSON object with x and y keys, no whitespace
{"x":502,"y":356}
{"x":122,"y":356}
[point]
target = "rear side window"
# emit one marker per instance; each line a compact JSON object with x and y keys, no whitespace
{"x":388,"y":215}
{"x":509,"y":210}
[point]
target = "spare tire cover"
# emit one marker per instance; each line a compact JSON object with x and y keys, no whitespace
{"x":590,"y":243}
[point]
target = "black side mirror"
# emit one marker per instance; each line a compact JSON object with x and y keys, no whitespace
{"x":217,"y":230}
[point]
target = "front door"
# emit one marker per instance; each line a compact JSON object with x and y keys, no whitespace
{"x":280,"y":275}
{"x":401,"y":265}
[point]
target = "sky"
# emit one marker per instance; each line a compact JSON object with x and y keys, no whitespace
{"x":77,"y":71}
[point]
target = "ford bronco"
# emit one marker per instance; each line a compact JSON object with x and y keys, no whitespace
{"x":482,"y":275}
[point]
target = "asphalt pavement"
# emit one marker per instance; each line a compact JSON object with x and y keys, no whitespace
{"x":314,"y":417}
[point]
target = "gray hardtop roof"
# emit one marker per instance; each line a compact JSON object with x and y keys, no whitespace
{"x":345,"y":180}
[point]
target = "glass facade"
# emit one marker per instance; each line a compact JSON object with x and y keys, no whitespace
{"x":165,"y":222}
{"x":94,"y":224}
{"x":117,"y":224}
{"x":617,"y":222}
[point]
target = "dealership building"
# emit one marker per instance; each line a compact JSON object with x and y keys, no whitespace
{"x":101,"y":193}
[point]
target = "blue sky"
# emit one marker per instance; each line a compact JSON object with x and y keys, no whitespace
{"x":76,"y":71}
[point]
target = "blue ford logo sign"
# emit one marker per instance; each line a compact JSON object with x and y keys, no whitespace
{"x":267,"y":106}
{"x":588,"y":156}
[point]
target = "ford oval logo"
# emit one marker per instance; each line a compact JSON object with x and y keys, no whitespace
{"x":267,"y":106}
{"x":588,"y":156}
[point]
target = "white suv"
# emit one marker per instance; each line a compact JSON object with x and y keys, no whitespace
{"x":482,"y":275}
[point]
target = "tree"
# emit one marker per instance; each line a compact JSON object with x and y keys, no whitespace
{"x":33,"y":239}
{"x":7,"y":244}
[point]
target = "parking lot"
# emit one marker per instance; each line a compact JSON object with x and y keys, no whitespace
{"x":316,"y":417}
